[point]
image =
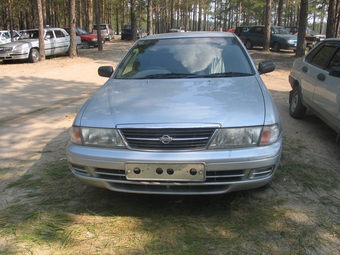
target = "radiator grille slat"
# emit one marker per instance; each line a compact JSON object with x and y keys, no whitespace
{"x":173,"y":138}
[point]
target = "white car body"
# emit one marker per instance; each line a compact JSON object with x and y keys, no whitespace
{"x":57,"y":42}
{"x":315,"y":80}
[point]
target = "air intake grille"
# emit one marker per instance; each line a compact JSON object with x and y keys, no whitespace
{"x":167,"y":138}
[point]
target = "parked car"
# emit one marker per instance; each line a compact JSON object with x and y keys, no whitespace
{"x":279,"y":38}
{"x":106,"y":30}
{"x":315,"y":82}
{"x":87,"y":39}
{"x":126,"y":32}
{"x":312,"y":38}
{"x":238,"y":30}
{"x":57,"y":41}
{"x":183,"y":113}
{"x":176,"y":29}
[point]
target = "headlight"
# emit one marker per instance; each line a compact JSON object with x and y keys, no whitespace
{"x":96,"y":137}
{"x":245,"y":137}
{"x":94,"y":40}
{"x":21,"y":48}
{"x":290,"y":41}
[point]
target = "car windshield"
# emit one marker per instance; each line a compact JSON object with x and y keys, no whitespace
{"x":279,"y":30}
{"x":185,"y":58}
{"x":81,"y":31}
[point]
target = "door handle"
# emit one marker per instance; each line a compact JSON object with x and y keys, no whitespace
{"x":321,"y":77}
{"x":304,"y":69}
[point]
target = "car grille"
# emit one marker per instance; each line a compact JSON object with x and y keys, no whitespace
{"x":5,"y":49}
{"x":167,"y":138}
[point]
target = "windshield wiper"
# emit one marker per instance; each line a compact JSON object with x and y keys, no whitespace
{"x":188,"y":76}
{"x":227,"y":74}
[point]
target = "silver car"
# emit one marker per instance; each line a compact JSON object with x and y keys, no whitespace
{"x":57,"y":42}
{"x":183,"y":113}
{"x":315,"y":82}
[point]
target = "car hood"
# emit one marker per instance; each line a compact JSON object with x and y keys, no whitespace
{"x":19,"y":42}
{"x":229,"y":102}
{"x":89,"y":36}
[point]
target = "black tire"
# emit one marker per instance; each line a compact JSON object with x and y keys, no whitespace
{"x":248,"y":45}
{"x":276,"y":47}
{"x":34,"y":56}
{"x":86,"y":44}
{"x":296,"y":109}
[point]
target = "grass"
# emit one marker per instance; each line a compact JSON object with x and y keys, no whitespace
{"x":55,"y":214}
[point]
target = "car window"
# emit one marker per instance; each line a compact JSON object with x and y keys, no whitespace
{"x":258,"y":30}
{"x":323,"y":56}
{"x":59,"y":33}
{"x":50,"y":33}
{"x":183,"y":57}
{"x":335,"y":62}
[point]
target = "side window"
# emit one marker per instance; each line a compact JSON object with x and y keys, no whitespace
{"x":335,"y":62}
{"x":323,"y":56}
{"x":50,"y":33}
{"x":258,"y":30}
{"x":59,"y":33}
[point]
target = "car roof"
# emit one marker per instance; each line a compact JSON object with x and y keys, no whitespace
{"x":188,"y":35}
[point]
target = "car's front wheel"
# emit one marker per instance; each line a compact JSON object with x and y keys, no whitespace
{"x":296,"y":109}
{"x":34,"y":56}
{"x":86,"y":44}
{"x":248,"y":45}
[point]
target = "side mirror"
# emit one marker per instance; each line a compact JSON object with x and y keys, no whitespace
{"x":105,"y":71}
{"x":266,"y":67}
{"x":335,"y":71}
{"x":47,"y":37}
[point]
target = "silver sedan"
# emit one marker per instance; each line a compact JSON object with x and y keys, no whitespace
{"x":183,"y":113}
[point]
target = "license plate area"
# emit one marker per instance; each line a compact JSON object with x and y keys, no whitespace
{"x":165,"y":172}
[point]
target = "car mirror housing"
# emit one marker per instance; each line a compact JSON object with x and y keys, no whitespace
{"x":105,"y":71}
{"x":334,"y":71}
{"x":266,"y":67}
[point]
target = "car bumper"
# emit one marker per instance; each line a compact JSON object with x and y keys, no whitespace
{"x":11,"y":56}
{"x":224,"y":170}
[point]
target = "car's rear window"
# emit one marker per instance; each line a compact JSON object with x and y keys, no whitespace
{"x":181,"y":57}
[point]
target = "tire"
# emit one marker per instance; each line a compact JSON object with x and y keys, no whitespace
{"x":34,"y":56}
{"x":276,"y":47}
{"x":296,"y":109}
{"x":86,"y":44}
{"x":248,"y":45}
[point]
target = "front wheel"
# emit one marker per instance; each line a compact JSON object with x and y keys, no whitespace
{"x":86,"y":44}
{"x":34,"y":56}
{"x":296,"y":109}
{"x":248,"y":45}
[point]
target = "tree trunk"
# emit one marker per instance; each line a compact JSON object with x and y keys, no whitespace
{"x":41,"y":31}
{"x":73,"y":42}
{"x":267,"y":25}
{"x":301,"y":44}
{"x":99,"y":34}
{"x":133,"y":20}
{"x":149,"y":25}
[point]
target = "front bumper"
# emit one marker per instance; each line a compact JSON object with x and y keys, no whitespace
{"x":13,"y":56}
{"x":225,"y":170}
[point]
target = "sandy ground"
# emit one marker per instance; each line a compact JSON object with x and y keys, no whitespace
{"x":39,"y":102}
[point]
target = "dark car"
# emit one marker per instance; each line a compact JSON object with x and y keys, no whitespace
{"x":183,"y":113}
{"x":238,"y":30}
{"x":126,"y":32}
{"x":279,"y":38}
